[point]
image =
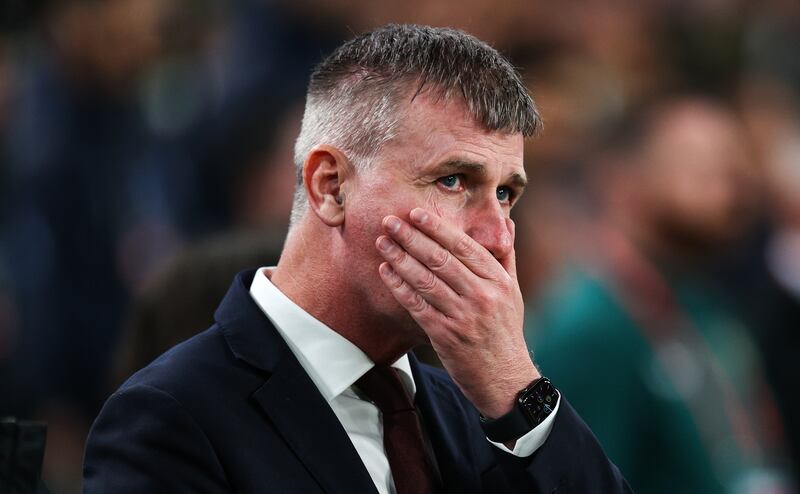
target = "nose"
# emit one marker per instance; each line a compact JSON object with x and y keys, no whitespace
{"x":487,"y":226}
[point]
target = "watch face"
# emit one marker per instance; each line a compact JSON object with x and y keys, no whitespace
{"x":540,"y":401}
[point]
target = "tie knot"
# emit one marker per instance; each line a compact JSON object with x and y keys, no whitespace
{"x":382,"y":385}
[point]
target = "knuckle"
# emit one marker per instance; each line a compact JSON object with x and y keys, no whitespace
{"x":407,"y":236}
{"x":463,"y":245}
{"x":439,"y":259}
{"x":428,"y":282}
{"x":400,"y":256}
{"x":397,"y":282}
{"x":418,"y":304}
{"x":484,"y":299}
{"x":504,"y":284}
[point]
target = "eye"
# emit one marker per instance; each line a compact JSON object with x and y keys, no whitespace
{"x":451,"y":182}
{"x":504,"y":194}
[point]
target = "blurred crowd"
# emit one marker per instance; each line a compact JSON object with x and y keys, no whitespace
{"x":146,"y":156}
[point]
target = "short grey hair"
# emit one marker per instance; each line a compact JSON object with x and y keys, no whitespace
{"x":355,"y":96}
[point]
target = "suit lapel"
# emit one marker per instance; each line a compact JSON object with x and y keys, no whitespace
{"x":291,"y":401}
{"x":311,"y":429}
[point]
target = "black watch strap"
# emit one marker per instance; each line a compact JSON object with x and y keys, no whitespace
{"x":534,"y":404}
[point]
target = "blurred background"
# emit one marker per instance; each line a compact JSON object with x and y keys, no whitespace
{"x":146,"y":157}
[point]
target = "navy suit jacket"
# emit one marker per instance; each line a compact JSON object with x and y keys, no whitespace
{"x":232,"y":410}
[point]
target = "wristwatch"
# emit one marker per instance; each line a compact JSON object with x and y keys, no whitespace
{"x":533,"y":405}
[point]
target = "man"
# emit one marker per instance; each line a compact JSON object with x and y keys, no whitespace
{"x":409,"y":160}
{"x":640,"y":308}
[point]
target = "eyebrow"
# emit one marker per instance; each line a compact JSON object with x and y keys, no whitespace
{"x":452,"y":167}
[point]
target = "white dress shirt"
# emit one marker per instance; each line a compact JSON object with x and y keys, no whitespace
{"x":334,"y":364}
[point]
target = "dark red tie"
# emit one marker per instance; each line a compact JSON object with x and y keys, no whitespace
{"x":402,"y":431}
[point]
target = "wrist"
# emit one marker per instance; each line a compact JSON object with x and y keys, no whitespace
{"x":504,"y":398}
{"x":533,"y":405}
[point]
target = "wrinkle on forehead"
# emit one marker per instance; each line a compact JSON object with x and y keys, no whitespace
{"x":433,"y":132}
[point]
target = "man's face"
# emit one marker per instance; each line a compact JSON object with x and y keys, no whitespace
{"x":443,"y":162}
{"x":698,"y":182}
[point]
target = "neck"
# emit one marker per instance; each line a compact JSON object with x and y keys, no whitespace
{"x":312,"y":278}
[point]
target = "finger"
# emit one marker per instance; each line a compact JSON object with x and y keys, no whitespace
{"x":417,"y":276}
{"x":420,"y":309}
{"x":509,"y":262}
{"x":431,"y":254}
{"x":472,"y":254}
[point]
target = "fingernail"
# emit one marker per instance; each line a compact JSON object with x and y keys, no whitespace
{"x":386,"y":270}
{"x":419,"y":215}
{"x":384,"y":243}
{"x":392,"y":224}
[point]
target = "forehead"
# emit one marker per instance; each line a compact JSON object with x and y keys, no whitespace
{"x":436,"y":130}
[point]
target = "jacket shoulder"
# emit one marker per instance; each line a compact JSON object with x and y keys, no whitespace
{"x":200,"y":368}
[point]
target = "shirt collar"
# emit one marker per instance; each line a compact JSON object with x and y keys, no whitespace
{"x":331,"y":360}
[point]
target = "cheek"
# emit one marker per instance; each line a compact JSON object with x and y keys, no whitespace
{"x":398,"y":200}
{"x":392,"y":199}
{"x":365,"y":216}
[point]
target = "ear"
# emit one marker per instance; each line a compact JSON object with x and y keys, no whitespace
{"x":324,"y":171}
